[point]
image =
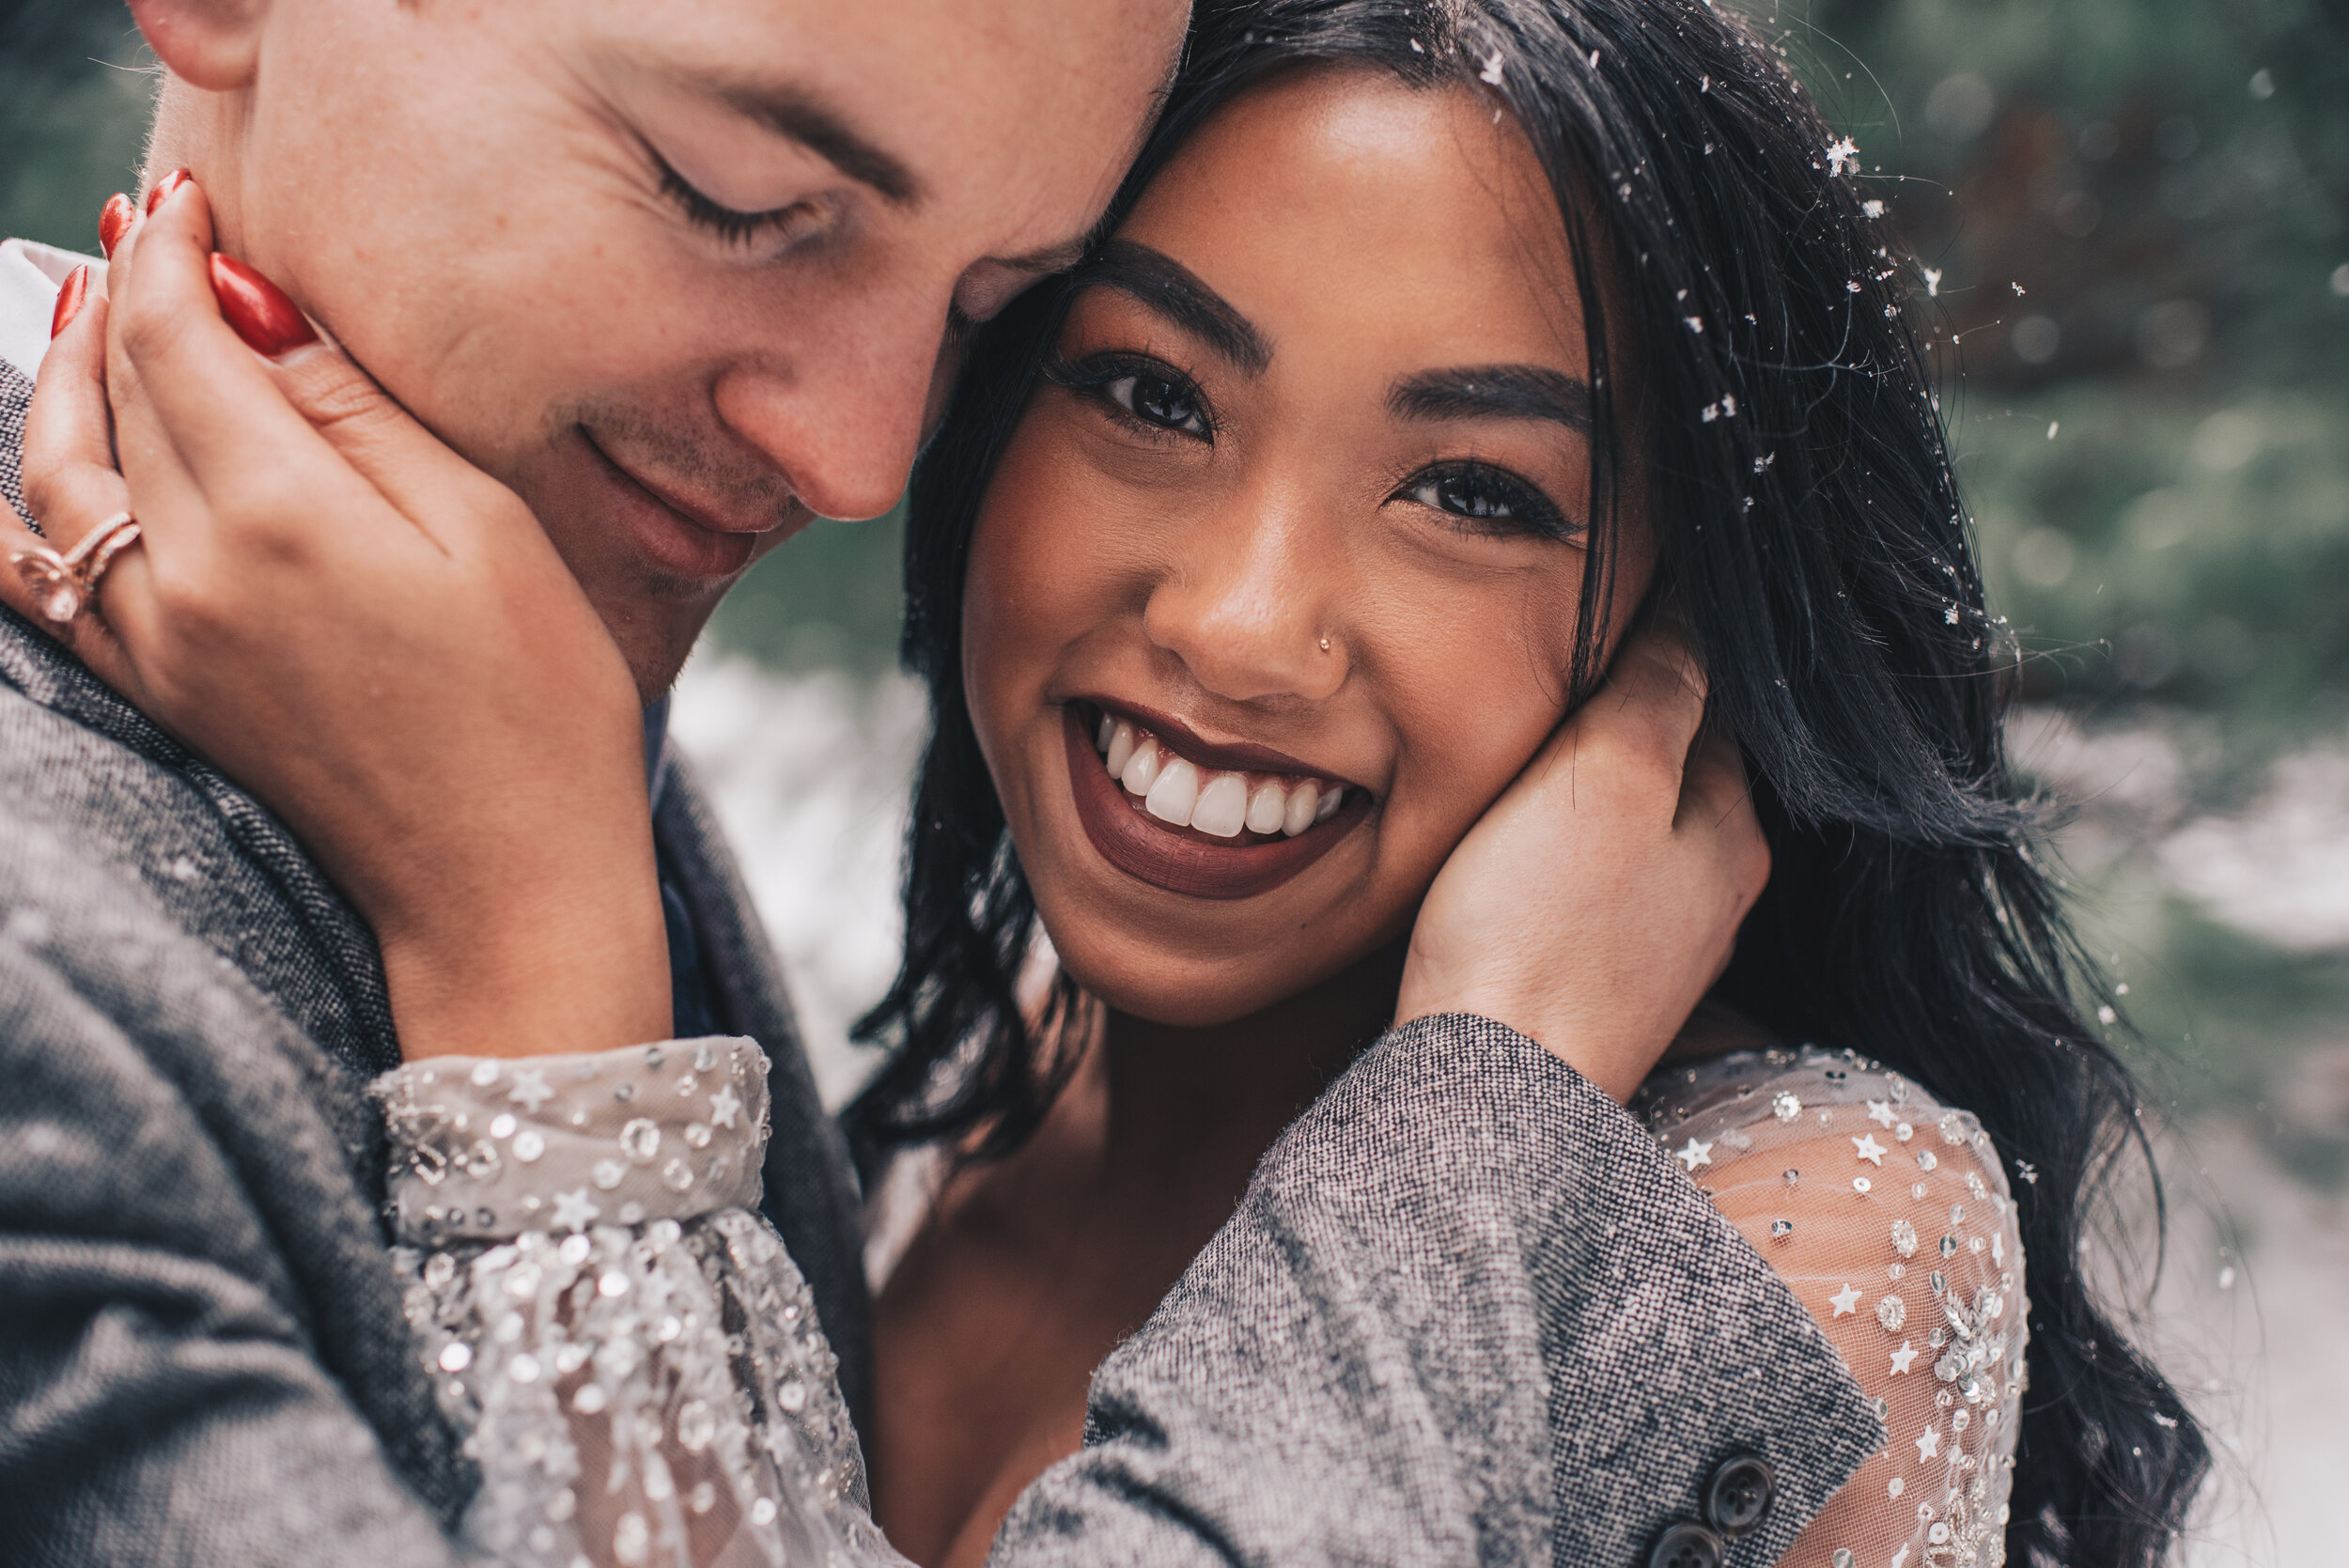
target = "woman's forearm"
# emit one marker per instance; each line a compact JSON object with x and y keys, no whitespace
{"x":570,"y":955}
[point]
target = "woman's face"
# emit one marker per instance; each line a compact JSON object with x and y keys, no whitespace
{"x":1292,"y":539}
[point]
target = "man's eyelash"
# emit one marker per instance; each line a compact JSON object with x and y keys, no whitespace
{"x":731,"y":224}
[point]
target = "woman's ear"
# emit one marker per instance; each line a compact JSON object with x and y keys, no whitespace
{"x":213,"y":45}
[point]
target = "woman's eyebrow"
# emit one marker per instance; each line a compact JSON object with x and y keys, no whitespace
{"x":1494,"y":391}
{"x":1173,"y":290}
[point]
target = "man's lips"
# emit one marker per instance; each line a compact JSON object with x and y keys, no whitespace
{"x":1181,"y":860}
{"x":684,"y":537}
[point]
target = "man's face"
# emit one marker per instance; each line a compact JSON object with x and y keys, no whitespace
{"x":682,"y":272}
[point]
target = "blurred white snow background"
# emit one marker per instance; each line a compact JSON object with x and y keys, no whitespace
{"x":811,"y":775}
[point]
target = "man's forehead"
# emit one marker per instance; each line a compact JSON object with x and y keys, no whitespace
{"x":893,"y":99}
{"x":876,"y":88}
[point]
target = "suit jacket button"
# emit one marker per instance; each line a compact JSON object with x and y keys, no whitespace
{"x":1686,"y":1545}
{"x":1739,"y":1494}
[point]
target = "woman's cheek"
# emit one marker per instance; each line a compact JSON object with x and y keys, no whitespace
{"x":1464,"y":745}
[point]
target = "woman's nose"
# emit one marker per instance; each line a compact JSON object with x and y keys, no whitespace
{"x":1247,"y":606}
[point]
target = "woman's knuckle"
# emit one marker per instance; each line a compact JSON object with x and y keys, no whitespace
{"x":149,"y":327}
{"x":40,"y":492}
{"x":347,"y":405}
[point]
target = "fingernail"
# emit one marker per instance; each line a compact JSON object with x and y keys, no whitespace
{"x":114,"y":222}
{"x":257,"y":308}
{"x":69,"y":300}
{"x":163,"y":188}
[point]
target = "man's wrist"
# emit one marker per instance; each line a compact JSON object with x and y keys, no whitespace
{"x":1615,"y":1059}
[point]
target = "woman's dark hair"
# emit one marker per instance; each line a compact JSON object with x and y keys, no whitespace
{"x":1809,"y":522}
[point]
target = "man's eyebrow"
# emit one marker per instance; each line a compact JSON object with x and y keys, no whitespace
{"x":820,"y":128}
{"x":1494,"y":391}
{"x":1173,"y":290}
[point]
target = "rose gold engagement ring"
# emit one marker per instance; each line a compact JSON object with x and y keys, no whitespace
{"x":64,"y":585}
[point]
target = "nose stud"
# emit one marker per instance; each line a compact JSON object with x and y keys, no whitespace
{"x":1324,"y":644}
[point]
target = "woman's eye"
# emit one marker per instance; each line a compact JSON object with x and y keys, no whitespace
{"x":1487,"y":501}
{"x":1159,"y":400}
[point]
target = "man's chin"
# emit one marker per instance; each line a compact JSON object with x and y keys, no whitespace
{"x":654,"y":575}
{"x":655,"y":639}
{"x":656,"y":616}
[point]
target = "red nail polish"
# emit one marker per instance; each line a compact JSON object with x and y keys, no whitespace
{"x":257,"y":308}
{"x":114,"y":222}
{"x":69,"y":300}
{"x":163,"y":187}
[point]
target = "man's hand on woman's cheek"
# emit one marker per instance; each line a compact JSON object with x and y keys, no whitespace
{"x":1598,"y":899}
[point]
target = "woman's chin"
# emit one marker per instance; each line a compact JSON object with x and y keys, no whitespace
{"x":1166,"y":990}
{"x":1136,"y":973}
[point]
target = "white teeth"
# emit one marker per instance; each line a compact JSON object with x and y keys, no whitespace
{"x":1267,"y":807}
{"x":1221,"y":804}
{"x":1141,"y":768}
{"x":1302,"y":801}
{"x":1174,"y":793}
{"x":1223,"y":808}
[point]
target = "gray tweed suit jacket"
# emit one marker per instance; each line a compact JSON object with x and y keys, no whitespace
{"x":1468,"y":1312}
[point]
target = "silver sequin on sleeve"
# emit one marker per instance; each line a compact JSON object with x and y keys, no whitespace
{"x":1889,"y":1217}
{"x":631,"y":1350}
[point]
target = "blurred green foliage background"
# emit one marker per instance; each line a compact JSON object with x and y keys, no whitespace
{"x":2127,"y":226}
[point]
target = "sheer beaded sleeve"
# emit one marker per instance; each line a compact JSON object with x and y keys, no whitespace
{"x":630,"y":1349}
{"x":1889,"y":1216}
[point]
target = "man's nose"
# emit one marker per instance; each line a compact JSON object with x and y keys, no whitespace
{"x":1248,"y":601}
{"x":843,"y":420}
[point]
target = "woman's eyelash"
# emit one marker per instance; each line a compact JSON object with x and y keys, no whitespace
{"x":731,"y":224}
{"x":1145,"y":394}
{"x":1487,"y":501}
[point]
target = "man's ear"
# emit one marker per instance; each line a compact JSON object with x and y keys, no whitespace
{"x":213,"y":45}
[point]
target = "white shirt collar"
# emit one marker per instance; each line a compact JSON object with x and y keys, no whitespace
{"x":30,"y":276}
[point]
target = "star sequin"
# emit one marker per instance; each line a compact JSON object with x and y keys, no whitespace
{"x":1929,"y":1445}
{"x":574,"y":1211}
{"x":1880,"y":1112}
{"x":1847,"y":1300}
{"x":530,"y":1089}
{"x":725,"y":1106}
{"x":1902,"y":1357}
{"x":1696,"y":1154}
{"x":1867,"y":1148}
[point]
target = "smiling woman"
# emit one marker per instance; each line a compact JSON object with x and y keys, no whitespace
{"x":1429,"y":352}
{"x":1274,"y":468}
